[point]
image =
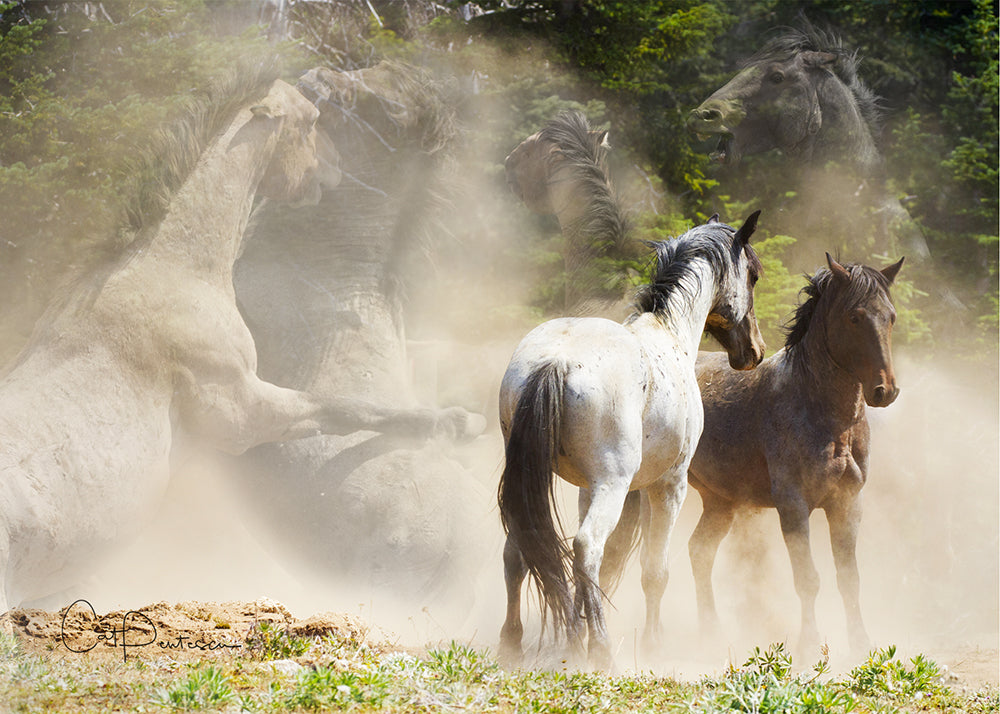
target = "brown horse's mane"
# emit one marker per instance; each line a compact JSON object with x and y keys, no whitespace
{"x":808,"y":38}
{"x":865,"y":282}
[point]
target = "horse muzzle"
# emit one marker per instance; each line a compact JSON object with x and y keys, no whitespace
{"x":748,"y":358}
{"x":882,"y":396}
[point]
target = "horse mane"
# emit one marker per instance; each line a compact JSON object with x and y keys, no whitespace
{"x":809,"y":38}
{"x":673,"y":273}
{"x":864,"y":281}
{"x":160,"y":168}
{"x":585,"y":157}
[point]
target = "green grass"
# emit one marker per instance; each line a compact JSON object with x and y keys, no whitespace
{"x":347,"y":675}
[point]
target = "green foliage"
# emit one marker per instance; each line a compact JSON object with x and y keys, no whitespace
{"x":205,"y":687}
{"x":766,"y":684}
{"x":325,"y":688}
{"x":462,"y":662}
{"x":883,"y":676}
{"x":268,"y":642}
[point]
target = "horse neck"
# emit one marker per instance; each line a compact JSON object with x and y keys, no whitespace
{"x":824,"y":382}
{"x":685,"y":315}
{"x":205,"y":222}
{"x":845,"y":134}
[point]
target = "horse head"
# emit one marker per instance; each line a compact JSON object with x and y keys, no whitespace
{"x":539,"y":169}
{"x":799,"y":94}
{"x":305,"y":159}
{"x":858,"y":328}
{"x":768,"y":105}
{"x":732,"y":321}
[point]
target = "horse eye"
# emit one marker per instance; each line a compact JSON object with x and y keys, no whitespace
{"x":777,"y":78}
{"x":855,"y":317}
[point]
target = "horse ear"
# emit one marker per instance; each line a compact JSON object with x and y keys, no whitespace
{"x":818,"y":59}
{"x":891,"y":271}
{"x":714,"y":218}
{"x":263,"y":111}
{"x":604,"y":143}
{"x":838,"y":270}
{"x":747,"y":229}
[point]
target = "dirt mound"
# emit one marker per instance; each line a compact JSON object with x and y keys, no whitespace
{"x":182,"y":631}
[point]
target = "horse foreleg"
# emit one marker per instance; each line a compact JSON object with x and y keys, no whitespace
{"x":794,"y":515}
{"x":248,"y":412}
{"x":714,"y":524}
{"x":606,"y":500}
{"x":663,"y":502}
{"x":844,"y":519}
{"x":514,"y":572}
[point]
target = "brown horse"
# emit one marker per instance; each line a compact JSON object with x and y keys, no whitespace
{"x":793,"y":434}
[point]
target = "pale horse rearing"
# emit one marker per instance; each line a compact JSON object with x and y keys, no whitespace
{"x":157,"y":344}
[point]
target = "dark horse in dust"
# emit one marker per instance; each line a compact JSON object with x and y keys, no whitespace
{"x":793,"y":435}
{"x":800,"y":94}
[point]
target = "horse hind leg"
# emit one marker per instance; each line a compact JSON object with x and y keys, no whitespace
{"x":606,"y":501}
{"x":514,"y":572}
{"x":663,"y":501}
{"x":714,"y":524}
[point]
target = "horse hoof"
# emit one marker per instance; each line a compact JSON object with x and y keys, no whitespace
{"x":460,"y":425}
{"x":475,"y":424}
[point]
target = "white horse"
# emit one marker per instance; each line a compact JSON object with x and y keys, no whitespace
{"x":613,"y":408}
{"x":156,"y":344}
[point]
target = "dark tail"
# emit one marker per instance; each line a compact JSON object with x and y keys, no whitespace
{"x":527,"y":508}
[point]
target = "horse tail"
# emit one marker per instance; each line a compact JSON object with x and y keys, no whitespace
{"x":526,"y":492}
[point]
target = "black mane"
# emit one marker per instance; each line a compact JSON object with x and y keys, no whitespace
{"x":673,"y":273}
{"x":865,"y":281}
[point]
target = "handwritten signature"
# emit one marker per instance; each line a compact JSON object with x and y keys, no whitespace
{"x":136,"y":630}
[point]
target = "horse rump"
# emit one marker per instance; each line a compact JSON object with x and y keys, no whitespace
{"x":526,"y":493}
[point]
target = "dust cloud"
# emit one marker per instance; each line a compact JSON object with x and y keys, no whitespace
{"x":928,"y":545}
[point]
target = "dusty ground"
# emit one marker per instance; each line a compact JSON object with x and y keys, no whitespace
{"x":188,"y":631}
{"x":183,"y":631}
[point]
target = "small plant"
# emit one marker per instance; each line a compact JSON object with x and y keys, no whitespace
{"x":204,"y":688}
{"x":461,"y":662}
{"x":325,"y":688}
{"x":267,"y":642}
{"x":765,"y":684}
{"x":883,"y":676}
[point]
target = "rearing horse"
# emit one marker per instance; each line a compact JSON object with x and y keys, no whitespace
{"x":613,"y":408}
{"x":155,"y":345}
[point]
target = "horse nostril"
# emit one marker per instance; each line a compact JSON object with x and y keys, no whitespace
{"x":711,"y":115}
{"x":879,"y":394}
